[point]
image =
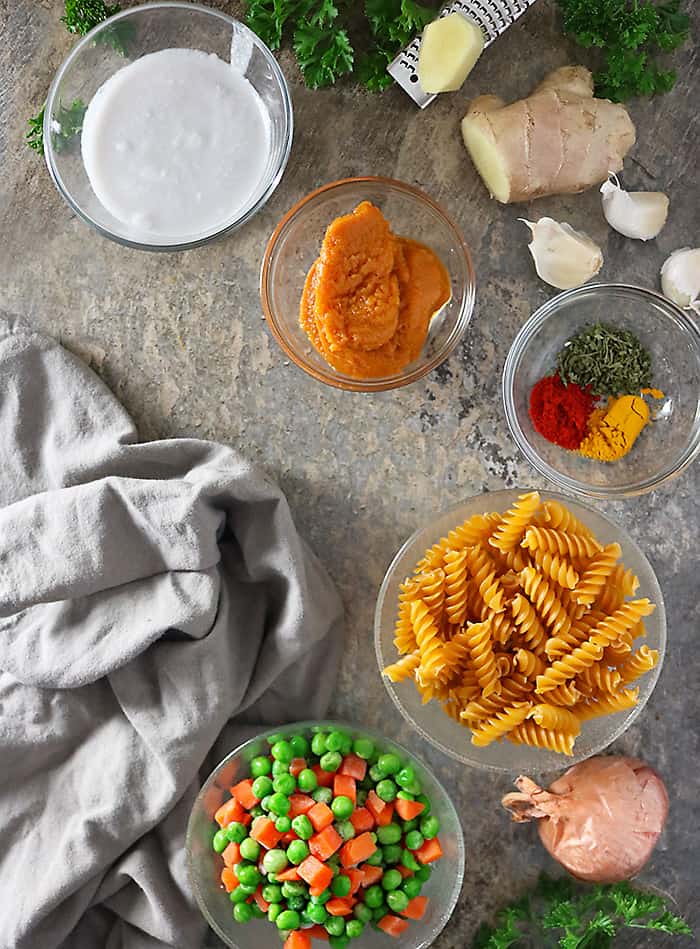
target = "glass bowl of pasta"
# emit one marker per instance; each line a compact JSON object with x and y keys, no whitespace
{"x":520,"y":631}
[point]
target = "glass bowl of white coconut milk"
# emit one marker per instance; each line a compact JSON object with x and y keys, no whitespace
{"x":168,"y":125}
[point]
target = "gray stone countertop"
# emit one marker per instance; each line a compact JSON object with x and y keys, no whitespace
{"x":181,"y":340}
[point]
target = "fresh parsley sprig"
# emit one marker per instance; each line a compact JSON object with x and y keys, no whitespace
{"x":571,"y":916}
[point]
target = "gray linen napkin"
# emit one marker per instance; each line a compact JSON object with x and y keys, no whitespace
{"x":149,"y":595}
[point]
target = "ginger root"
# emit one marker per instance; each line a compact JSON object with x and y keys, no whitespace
{"x":560,"y":140}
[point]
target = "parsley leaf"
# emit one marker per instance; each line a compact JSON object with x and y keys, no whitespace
{"x":82,"y":15}
{"x":67,"y":123}
{"x":268,"y":19}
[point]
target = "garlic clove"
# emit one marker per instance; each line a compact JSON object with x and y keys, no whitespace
{"x":564,"y":258}
{"x":680,"y":277}
{"x":637,"y":214}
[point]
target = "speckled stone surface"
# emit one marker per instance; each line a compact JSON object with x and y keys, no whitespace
{"x":181,"y":341}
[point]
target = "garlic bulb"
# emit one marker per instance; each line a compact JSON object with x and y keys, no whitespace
{"x":564,"y":258}
{"x":637,"y":214}
{"x":680,"y":277}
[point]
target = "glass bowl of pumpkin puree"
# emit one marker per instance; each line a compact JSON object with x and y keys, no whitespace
{"x":367,"y":284}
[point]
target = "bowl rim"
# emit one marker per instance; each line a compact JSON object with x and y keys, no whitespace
{"x":513,"y":361}
{"x":632,"y":714}
{"x":339,"y":380}
{"x":49,"y":154}
{"x":306,"y":725}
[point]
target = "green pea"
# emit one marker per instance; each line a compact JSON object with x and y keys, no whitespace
{"x":279,"y":767}
{"x":250,"y":849}
{"x":361,"y":797}
{"x":273,"y":739}
{"x":353,"y":928}
{"x":389,"y":834}
{"x":279,"y":804}
{"x":273,"y":911}
{"x":379,"y":913}
{"x":307,"y":781}
{"x":386,"y":790}
{"x":422,"y":799}
{"x":423,"y":874}
{"x":391,"y":880}
{"x":220,"y":841}
{"x":338,"y":942}
{"x":282,"y":751}
{"x":265,"y":803}
{"x":291,"y":888}
{"x":391,"y":853}
{"x":430,"y":827}
{"x":300,"y":746}
{"x":285,"y":784}
{"x":375,"y":775}
{"x":272,"y":893}
{"x":275,"y":861}
{"x":335,"y":926}
{"x":374,"y":896}
{"x":331,"y":761}
{"x":362,"y":912}
{"x":283,"y":825}
{"x":318,"y":744}
{"x":256,"y":811}
{"x":405,"y":777}
{"x":397,"y":900}
{"x":405,"y":795}
{"x":334,"y":741}
{"x":256,"y":911}
{"x":409,"y":861}
{"x":388,"y":764}
{"x":302,"y":827}
{"x":322,"y":795}
{"x":248,"y":874}
{"x":409,"y":825}
{"x":296,"y":903}
{"x":236,"y":832}
{"x":289,"y":919}
{"x":376,"y":859}
{"x":345,"y":829}
{"x":363,"y":748}
{"x":297,"y":852}
{"x":240,"y":894}
{"x":346,"y":747}
{"x":414,"y":840}
{"x":260,"y":766}
{"x":262,"y":786}
{"x":341,"y":886}
{"x":411,"y":887}
{"x":322,"y":897}
{"x":342,"y":807}
{"x":242,"y":913}
{"x":317,"y":913}
{"x":334,"y":861}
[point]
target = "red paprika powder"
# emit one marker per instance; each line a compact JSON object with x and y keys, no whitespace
{"x":560,"y":413}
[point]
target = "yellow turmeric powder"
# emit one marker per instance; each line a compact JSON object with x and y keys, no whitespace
{"x":613,"y":431}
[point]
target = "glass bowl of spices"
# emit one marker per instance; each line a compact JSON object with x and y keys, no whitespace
{"x":601,"y":389}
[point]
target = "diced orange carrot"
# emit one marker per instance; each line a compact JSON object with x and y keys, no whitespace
{"x":315,"y":873}
{"x":393,"y":925}
{"x":301,"y":804}
{"x":229,"y":879}
{"x":297,"y":765}
{"x":265,"y":832}
{"x":243,"y":792}
{"x":316,"y":890}
{"x":416,"y":908}
{"x":229,"y":811}
{"x":370,"y":874}
{"x":262,"y":903}
{"x":247,"y":819}
{"x":404,"y":871}
{"x":375,"y":804}
{"x":325,"y":844}
{"x":232,"y":854}
{"x":356,"y":877}
{"x":407,"y":810}
{"x":385,"y":817}
{"x":345,"y":785}
{"x":321,"y":816}
{"x":354,"y":766}
{"x":317,"y":932}
{"x":289,"y":837}
{"x":324,"y":778}
{"x":431,"y":850}
{"x":361,"y":819}
{"x":297,"y":940}
{"x":290,"y":875}
{"x":357,"y":850}
{"x":339,"y":907}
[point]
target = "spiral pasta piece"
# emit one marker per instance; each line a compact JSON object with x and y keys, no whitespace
{"x":430,"y":646}
{"x":432,"y":590}
{"x":475,"y":530}
{"x":455,"y":573}
{"x":548,"y":605}
{"x":578,"y":633}
{"x":530,"y":627}
{"x":569,"y":666}
{"x":483,"y":662}
{"x":514,"y":559}
{"x":637,"y":664}
{"x":490,"y":729}
{"x":404,"y":637}
{"x":504,"y":664}
{"x":573,"y":546}
{"x":595,"y":575}
{"x":515,"y":522}
{"x":598,"y":678}
{"x":560,"y":518}
{"x":529,"y":663}
{"x":621,"y":622}
{"x":403,"y":669}
{"x":555,"y":718}
{"x":530,"y":733}
{"x":483,"y":572}
{"x":557,"y":568}
{"x":566,"y":694}
{"x":607,"y":704}
{"x":620,"y":584}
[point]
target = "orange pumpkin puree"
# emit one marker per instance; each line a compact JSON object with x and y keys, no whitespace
{"x":369,"y":297}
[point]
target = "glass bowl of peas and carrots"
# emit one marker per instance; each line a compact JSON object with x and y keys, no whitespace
{"x":320,"y":831}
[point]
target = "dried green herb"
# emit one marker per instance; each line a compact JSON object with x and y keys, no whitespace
{"x":611,"y":361}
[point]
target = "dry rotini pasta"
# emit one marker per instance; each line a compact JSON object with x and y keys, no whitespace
{"x":522,"y":626}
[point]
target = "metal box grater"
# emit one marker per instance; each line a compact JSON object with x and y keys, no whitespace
{"x":493,"y":16}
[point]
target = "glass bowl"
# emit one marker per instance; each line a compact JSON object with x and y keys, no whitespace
{"x":431,"y":721}
{"x":204,"y":866}
{"x":295,"y":245}
{"x":671,"y":336}
{"x":126,"y":37}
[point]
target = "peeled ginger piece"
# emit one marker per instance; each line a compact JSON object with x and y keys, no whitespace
{"x":449,"y":49}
